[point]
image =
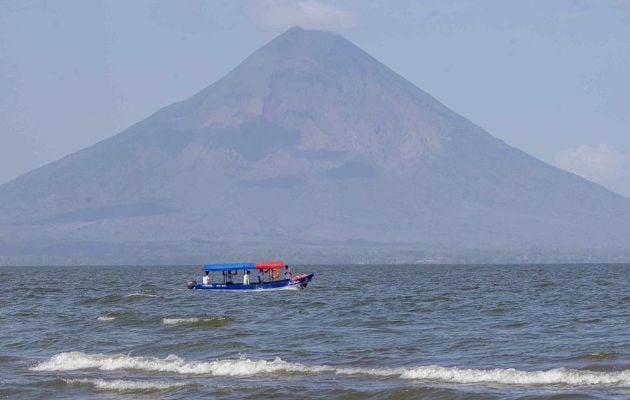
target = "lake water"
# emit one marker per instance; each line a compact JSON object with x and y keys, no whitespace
{"x":357,"y":332}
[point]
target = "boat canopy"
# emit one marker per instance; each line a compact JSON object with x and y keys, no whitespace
{"x":247,"y":265}
{"x":269,"y":264}
{"x":226,"y":267}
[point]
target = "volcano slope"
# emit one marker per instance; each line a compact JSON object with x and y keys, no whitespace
{"x":310,"y":141}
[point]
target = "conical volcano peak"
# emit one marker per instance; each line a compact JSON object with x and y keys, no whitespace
{"x":297,"y":33}
{"x":333,"y":95}
{"x":299,"y":41}
{"x":309,"y":45}
{"x":308,"y":140}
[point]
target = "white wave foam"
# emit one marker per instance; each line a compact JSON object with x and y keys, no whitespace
{"x":120,"y":385}
{"x":184,"y":321}
{"x":132,"y":295}
{"x":505,"y":376}
{"x":72,"y":361}
{"x":178,"y":321}
{"x":106,"y":318}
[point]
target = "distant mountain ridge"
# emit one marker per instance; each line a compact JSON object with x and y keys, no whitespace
{"x":309,"y":140}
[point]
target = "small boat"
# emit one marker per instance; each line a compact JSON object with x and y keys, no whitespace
{"x":273,"y":277}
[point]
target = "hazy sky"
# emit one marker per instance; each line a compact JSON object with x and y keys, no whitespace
{"x":551,"y":77}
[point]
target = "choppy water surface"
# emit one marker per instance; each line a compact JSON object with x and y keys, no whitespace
{"x":357,"y":332}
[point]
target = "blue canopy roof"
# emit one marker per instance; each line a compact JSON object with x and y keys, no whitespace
{"x":225,"y":267}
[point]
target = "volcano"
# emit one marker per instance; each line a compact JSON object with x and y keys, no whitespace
{"x":310,"y":141}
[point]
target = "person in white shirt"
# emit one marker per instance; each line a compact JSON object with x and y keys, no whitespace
{"x":287,"y":273}
{"x":246,"y":278}
{"x":206,"y":279}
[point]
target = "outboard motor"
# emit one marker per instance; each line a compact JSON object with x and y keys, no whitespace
{"x":191,"y":284}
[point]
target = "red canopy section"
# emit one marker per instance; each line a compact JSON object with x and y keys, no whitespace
{"x":269,"y":264}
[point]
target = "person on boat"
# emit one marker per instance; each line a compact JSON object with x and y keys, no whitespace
{"x":246,"y":278}
{"x":229,"y":277}
{"x":260,"y":276}
{"x":206,"y":279}
{"x":287,"y":273}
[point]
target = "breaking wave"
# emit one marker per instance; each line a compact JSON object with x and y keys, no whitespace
{"x":120,"y":385}
{"x":105,"y":318}
{"x":140,"y":295}
{"x":72,"y":361}
{"x":207,"y":322}
{"x":244,"y":367}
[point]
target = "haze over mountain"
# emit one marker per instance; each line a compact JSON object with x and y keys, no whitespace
{"x":308,"y":142}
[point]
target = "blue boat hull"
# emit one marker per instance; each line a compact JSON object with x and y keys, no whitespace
{"x":300,"y":283}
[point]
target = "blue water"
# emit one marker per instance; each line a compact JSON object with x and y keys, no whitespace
{"x":357,"y":332}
